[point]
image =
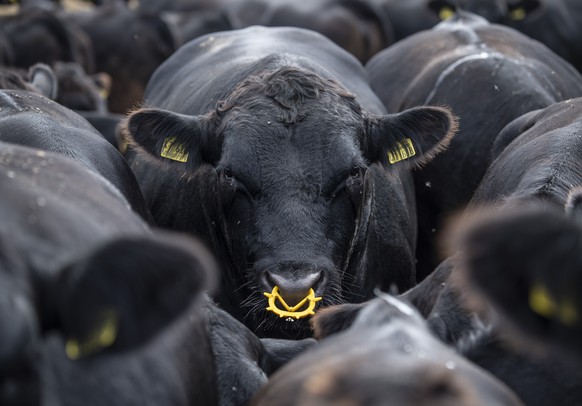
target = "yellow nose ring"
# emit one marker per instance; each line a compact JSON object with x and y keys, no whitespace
{"x":291,"y":311}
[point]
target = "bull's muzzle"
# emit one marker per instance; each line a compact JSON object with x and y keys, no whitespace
{"x":308,"y":304}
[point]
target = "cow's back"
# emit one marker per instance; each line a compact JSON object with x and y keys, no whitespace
{"x":207,"y":69}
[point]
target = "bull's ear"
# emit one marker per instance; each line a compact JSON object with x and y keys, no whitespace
{"x":410,"y":138}
{"x":43,"y":79}
{"x":187,"y":141}
{"x":128,"y":290}
{"x":536,"y":253}
{"x":334,"y":319}
{"x":280,"y":351}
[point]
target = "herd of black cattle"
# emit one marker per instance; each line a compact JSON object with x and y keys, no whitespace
{"x":184,"y":182}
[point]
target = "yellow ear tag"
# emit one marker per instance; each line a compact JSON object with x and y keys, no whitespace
{"x":174,"y":151}
{"x":291,"y":311}
{"x":405,"y":150}
{"x":123,"y":145}
{"x":518,"y":14}
{"x":446,"y":12}
{"x":103,"y":93}
{"x":541,"y":302}
{"x":568,"y":313}
{"x":102,"y":338}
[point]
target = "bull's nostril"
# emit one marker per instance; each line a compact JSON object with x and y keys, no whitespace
{"x":294,"y":287}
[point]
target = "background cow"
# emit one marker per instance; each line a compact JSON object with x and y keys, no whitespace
{"x":540,"y":294}
{"x":128,"y":45}
{"x":489,"y":75}
{"x":555,"y":23}
{"x":386,"y":357}
{"x":27,"y":118}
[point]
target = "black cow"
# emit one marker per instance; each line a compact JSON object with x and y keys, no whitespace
{"x":83,"y":279}
{"x":548,"y":146}
{"x":274,"y":145}
{"x":488,"y":75}
{"x":357,"y":26}
{"x":387,"y":357}
{"x":128,"y":45}
{"x":39,"y":78}
{"x":87,"y":95}
{"x":411,"y":16}
{"x":536,"y":156}
{"x":40,"y":35}
{"x":187,"y":26}
{"x":536,"y":162}
{"x":69,"y":85}
{"x":29,"y":119}
{"x":80,"y":91}
{"x":536,"y":252}
{"x":407,"y":17}
{"x":456,"y":316}
{"x":556,"y":23}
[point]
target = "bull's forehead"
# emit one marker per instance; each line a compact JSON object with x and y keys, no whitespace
{"x":316,"y":150}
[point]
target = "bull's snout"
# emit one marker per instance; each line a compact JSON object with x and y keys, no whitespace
{"x":294,"y":285}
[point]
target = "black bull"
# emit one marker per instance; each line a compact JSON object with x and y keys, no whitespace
{"x":277,"y":154}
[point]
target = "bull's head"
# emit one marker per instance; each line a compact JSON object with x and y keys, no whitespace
{"x":296,"y":165}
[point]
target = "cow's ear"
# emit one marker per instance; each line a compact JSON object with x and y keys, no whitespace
{"x":334,"y":319}
{"x":280,"y":351}
{"x":410,"y":138}
{"x":128,"y":290}
{"x":103,"y":83}
{"x":187,"y":141}
{"x":528,"y":265}
{"x":43,"y":79}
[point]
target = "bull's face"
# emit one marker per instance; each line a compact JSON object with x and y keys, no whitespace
{"x":291,"y":153}
{"x":290,"y":195}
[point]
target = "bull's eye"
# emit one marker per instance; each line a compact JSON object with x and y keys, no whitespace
{"x":233,"y":185}
{"x":354,"y":185}
{"x":227,"y":173}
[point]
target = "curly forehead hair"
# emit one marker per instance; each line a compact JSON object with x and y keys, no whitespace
{"x":290,"y":88}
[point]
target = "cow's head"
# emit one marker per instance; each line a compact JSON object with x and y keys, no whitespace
{"x":291,"y":152}
{"x":115,"y":299}
{"x":495,"y":11}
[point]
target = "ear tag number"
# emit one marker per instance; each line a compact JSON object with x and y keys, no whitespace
{"x":173,"y":150}
{"x":291,"y":311}
{"x":404,"y":151}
